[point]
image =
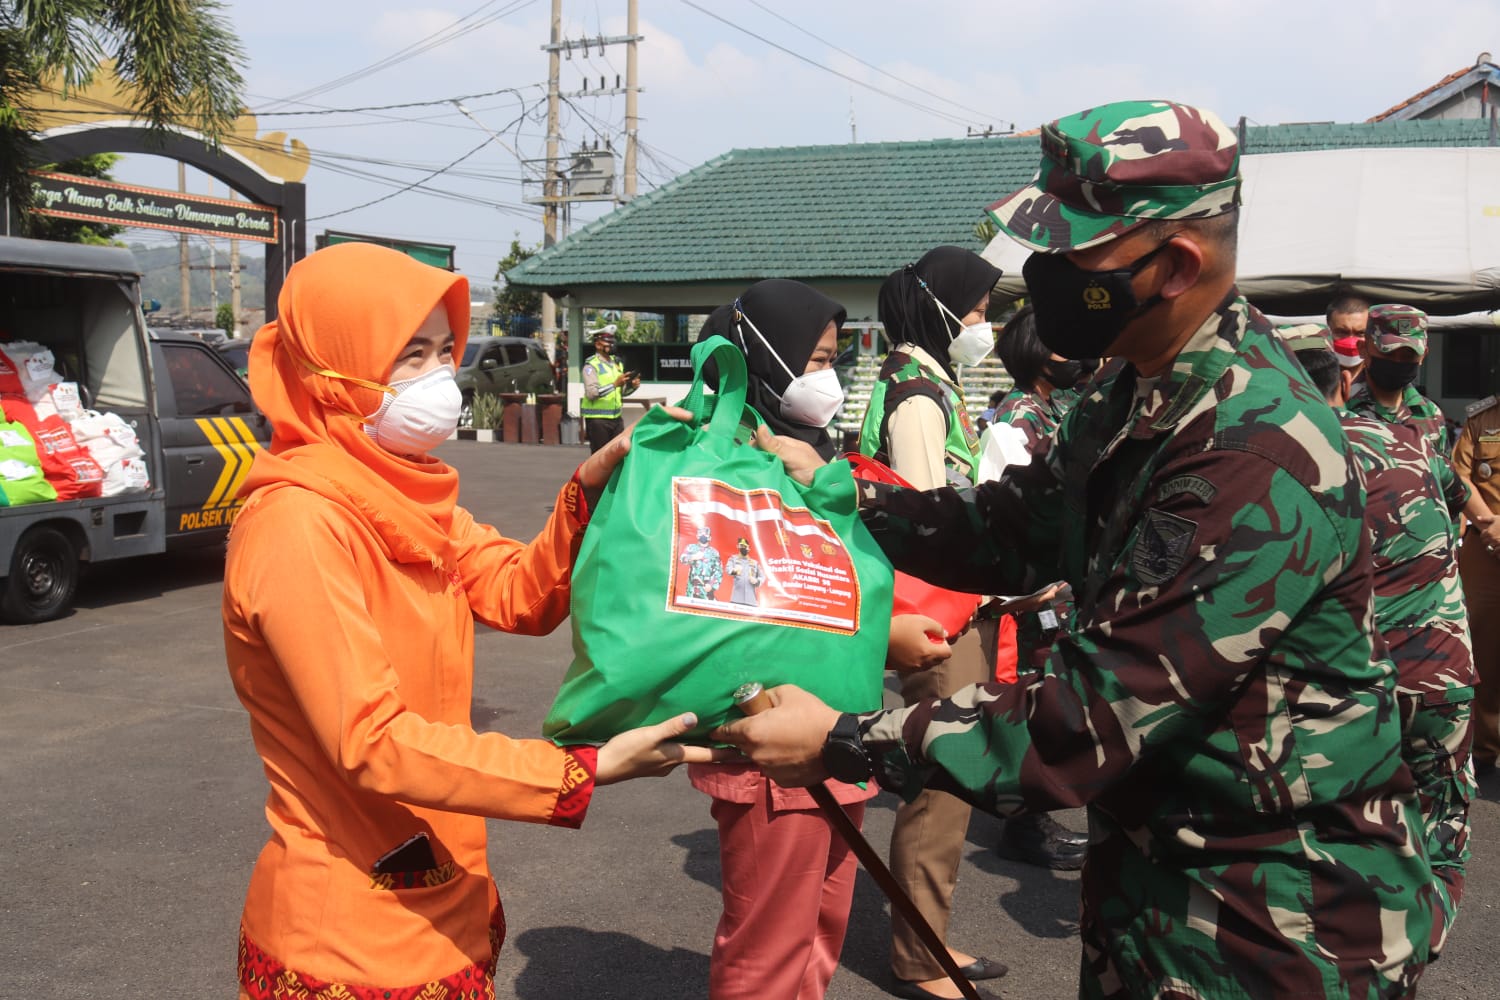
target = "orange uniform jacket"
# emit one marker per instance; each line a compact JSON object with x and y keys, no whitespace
{"x":357,"y":673}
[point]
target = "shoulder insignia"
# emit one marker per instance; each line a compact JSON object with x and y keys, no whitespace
{"x":1161,"y":546}
{"x":1195,"y":485}
{"x":1480,"y":404}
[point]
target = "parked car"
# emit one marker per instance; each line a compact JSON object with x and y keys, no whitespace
{"x":501,"y":364}
{"x":237,"y":353}
{"x":192,"y":415}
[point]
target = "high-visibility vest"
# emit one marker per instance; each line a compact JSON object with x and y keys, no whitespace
{"x":609,"y":404}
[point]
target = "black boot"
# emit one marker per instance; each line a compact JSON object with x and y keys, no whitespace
{"x":1038,"y":840}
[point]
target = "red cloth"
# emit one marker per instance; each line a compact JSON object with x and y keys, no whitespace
{"x":950,"y":608}
{"x":1007,"y":655}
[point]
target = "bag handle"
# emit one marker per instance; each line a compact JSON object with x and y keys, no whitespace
{"x":734,"y":382}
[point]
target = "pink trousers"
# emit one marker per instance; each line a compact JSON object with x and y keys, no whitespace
{"x":788,"y":881}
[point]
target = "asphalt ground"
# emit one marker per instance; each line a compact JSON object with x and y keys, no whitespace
{"x":132,"y":814}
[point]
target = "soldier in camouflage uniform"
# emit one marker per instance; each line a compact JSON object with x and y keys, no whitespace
{"x":1395,"y":344}
{"x":705,"y":571}
{"x":1412,"y":502}
{"x":1218,"y":702}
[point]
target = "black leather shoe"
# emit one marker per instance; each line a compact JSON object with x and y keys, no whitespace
{"x":1027,"y":840}
{"x":910,"y":990}
{"x":1056,"y":830}
{"x":983,"y":968}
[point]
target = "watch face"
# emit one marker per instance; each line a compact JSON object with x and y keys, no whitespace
{"x":845,"y":760}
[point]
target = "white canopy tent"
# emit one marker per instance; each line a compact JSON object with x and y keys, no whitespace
{"x":1420,"y":226}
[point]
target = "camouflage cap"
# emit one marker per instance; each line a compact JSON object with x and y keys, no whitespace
{"x":1393,"y":327}
{"x":1305,"y":336}
{"x":1110,"y":169}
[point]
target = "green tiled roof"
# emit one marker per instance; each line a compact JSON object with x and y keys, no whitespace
{"x":853,"y":211}
{"x":856,"y":211}
{"x":1366,"y":135}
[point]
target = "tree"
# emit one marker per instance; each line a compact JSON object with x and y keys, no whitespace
{"x":510,"y":300}
{"x":179,"y":56}
{"x":45,"y":227}
{"x":224,"y":318}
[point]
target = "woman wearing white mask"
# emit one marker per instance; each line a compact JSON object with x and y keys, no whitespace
{"x":350,"y":592}
{"x":918,"y":423}
{"x":787,"y":878}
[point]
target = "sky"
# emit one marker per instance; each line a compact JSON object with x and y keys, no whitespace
{"x":819,"y":72}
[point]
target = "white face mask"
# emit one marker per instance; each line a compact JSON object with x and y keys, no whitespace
{"x":973,"y":343}
{"x":420,"y":416}
{"x":813,"y":398}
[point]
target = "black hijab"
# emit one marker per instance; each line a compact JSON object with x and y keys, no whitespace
{"x":791,"y":317}
{"x":958,"y":277}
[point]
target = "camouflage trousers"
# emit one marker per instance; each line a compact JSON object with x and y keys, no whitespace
{"x":1435,"y":747}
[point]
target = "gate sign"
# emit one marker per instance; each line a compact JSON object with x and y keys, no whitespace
{"x":91,"y":200}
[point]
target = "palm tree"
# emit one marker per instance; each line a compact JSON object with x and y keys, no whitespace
{"x":180,"y":57}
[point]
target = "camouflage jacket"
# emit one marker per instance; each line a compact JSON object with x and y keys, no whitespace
{"x":1415,"y":409}
{"x":1035,"y":417}
{"x":1413,"y":500}
{"x":1218,"y":701}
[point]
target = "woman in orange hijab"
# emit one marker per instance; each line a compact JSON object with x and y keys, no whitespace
{"x":352,"y":585}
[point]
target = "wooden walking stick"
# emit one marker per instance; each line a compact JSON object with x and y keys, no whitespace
{"x":751,"y":699}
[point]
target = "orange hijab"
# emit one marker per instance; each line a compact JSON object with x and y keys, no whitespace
{"x":350,"y":309}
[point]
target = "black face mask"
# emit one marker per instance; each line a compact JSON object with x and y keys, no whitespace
{"x":1392,"y":376}
{"x":1065,"y":374}
{"x":1080,"y":313}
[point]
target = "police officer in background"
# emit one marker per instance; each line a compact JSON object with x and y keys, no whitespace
{"x":1476,"y":459}
{"x":1218,"y":701}
{"x":605,"y":384}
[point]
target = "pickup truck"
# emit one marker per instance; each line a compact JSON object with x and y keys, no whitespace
{"x":191,"y":411}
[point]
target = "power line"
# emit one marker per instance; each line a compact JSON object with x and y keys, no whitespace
{"x":392,"y":107}
{"x":870,"y":65}
{"x":421,"y":180}
{"x":388,"y":197}
{"x":936,"y":112}
{"x":440,"y":37}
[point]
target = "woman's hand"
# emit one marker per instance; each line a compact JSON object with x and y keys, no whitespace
{"x":785,"y":740}
{"x":652,"y":751}
{"x":800,"y":458}
{"x":593,"y":474}
{"x":917,"y":643}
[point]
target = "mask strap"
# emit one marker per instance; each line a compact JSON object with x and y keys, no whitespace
{"x":739,"y":315}
{"x":939,"y":302}
{"x":330,"y":373}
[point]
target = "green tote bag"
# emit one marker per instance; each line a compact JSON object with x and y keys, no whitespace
{"x":705,"y":566}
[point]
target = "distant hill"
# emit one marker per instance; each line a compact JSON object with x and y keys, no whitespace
{"x":162,"y":278}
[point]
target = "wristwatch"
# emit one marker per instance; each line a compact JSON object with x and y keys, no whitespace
{"x":844,"y":754}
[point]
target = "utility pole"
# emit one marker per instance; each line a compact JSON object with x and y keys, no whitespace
{"x":631,"y":119}
{"x":550,"y":190}
{"x":185,"y":271}
{"x":234,"y":281}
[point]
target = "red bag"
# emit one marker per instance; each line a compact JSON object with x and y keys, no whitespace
{"x":1007,"y":656}
{"x":950,"y":608}
{"x":69,"y":467}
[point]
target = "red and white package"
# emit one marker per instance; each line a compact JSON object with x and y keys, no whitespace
{"x":61,"y":398}
{"x":70,"y":469}
{"x":26,"y":368}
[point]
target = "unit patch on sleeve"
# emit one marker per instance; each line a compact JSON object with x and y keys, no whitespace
{"x":1161,"y":546}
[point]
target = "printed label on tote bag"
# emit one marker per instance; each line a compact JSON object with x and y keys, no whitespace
{"x":746,"y":554}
